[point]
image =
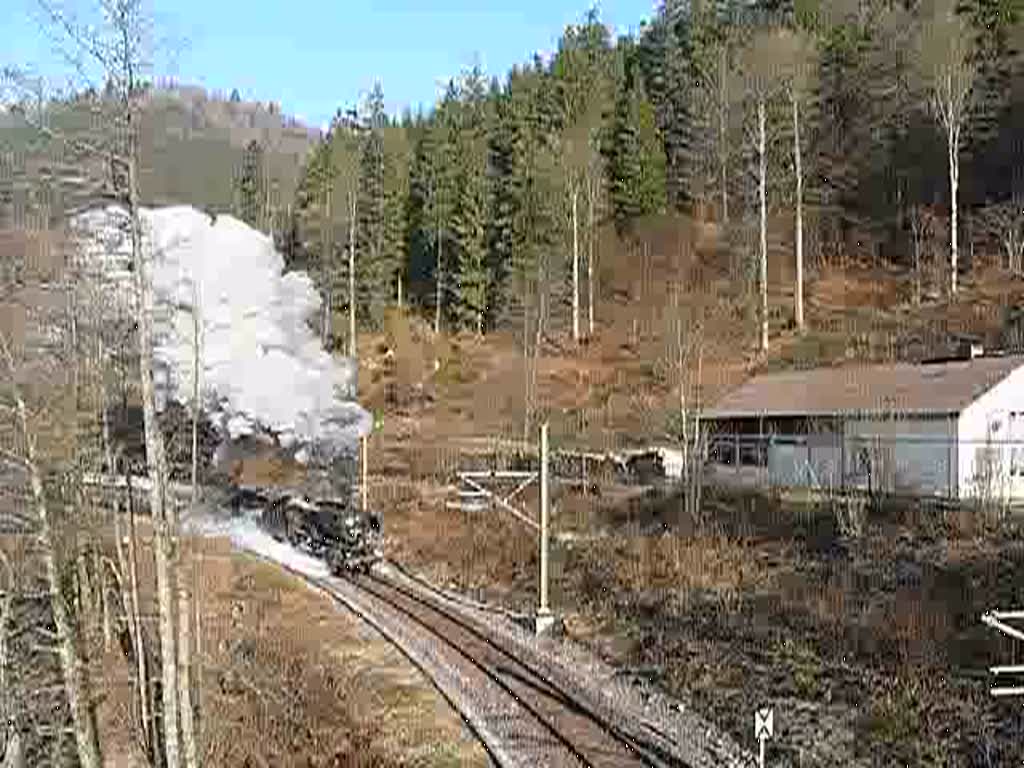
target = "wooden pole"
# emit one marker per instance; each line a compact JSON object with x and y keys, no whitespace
{"x":364,"y":451}
{"x":544,"y":609}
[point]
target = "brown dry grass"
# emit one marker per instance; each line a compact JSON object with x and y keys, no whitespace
{"x":289,"y":679}
{"x":713,"y":563}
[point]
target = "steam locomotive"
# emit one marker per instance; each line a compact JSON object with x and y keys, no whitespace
{"x":348,"y":539}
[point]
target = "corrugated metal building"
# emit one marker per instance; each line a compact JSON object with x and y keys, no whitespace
{"x":949,"y":428}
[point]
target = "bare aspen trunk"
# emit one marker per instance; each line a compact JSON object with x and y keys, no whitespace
{"x":76,"y":681}
{"x":196,"y":385}
{"x":84,"y":609}
{"x":352,"y":277}
{"x":723,"y":133}
{"x":148,"y":716}
{"x":7,"y":599}
{"x":268,"y":217}
{"x":763,"y":195}
{"x":73,"y":321}
{"x":590,"y":259}
{"x":797,"y":163}
{"x":917,"y":263}
{"x":325,"y":261}
{"x":438,"y":280}
{"x":157,"y":466}
{"x":188,"y":733}
{"x":696,"y":479}
{"x":953,"y":144}
{"x":575,"y":268}
{"x":107,"y":618}
{"x":127,"y":565}
{"x":399,"y":290}
{"x":198,"y":665}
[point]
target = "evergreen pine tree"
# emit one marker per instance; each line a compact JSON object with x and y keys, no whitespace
{"x":373,"y":273}
{"x":469,"y":221}
{"x":249,"y":186}
{"x":634,"y":152}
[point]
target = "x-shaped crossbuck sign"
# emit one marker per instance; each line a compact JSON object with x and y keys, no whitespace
{"x":997,"y":620}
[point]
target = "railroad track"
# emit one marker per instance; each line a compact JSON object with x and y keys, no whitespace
{"x":570,"y":732}
{"x":520,"y":716}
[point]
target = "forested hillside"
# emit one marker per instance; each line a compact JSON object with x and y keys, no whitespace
{"x":799,"y":132}
{"x":773,"y":146}
{"x":192,"y":146}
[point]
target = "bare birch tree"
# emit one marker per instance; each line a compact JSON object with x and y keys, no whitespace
{"x":946,"y":72}
{"x":800,"y":64}
{"x":72,"y":657}
{"x":1005,"y":223}
{"x":117,"y":47}
{"x":685,"y":355}
{"x":762,"y":61}
{"x":594,"y":188}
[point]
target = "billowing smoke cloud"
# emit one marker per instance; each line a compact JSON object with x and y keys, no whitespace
{"x":262,"y":365}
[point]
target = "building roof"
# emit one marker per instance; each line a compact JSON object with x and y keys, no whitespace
{"x":934,"y":388}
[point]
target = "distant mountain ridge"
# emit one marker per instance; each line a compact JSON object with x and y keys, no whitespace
{"x":191,"y":146}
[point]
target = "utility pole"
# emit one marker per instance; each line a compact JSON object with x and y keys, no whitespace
{"x":544,"y":617}
{"x":363,"y":461}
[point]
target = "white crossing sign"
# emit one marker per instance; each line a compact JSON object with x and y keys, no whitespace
{"x":764,"y":728}
{"x":764,"y":725}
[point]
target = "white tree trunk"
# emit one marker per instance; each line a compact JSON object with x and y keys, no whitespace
{"x":325,"y":266}
{"x":6,"y":600}
{"x":76,"y":681}
{"x":590,"y":258}
{"x":917,"y":261}
{"x":188,"y":733}
{"x":797,"y":162}
{"x":142,"y":665}
{"x":575,"y":266}
{"x":763,"y":195}
{"x":157,"y":469}
{"x":953,"y":145}
{"x":196,"y":387}
{"x":723,"y":107}
{"x":352,"y":276}
{"x":129,"y":593}
{"x":438,"y":280}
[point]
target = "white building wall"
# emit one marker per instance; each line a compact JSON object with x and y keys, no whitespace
{"x":916,"y":455}
{"x":804,"y":460}
{"x":991,"y":439}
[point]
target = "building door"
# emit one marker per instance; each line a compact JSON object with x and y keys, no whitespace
{"x":1015,"y":447}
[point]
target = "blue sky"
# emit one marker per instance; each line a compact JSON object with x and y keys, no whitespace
{"x":312,"y":56}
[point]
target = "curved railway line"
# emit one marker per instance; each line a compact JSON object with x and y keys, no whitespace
{"x":564,"y":731}
{"x":518,"y":713}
